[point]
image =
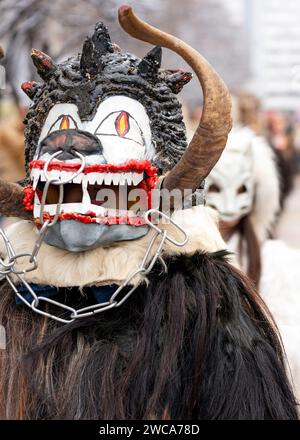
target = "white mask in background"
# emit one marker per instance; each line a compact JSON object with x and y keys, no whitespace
{"x":230,"y":186}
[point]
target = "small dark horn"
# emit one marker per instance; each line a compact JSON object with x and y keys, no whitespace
{"x":151,"y":62}
{"x":94,"y":48}
{"x":177,"y":79}
{"x":45,"y":66}
{"x":1,"y":53}
{"x":30,"y":88}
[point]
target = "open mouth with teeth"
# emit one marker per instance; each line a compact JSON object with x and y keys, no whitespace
{"x":101,"y":193}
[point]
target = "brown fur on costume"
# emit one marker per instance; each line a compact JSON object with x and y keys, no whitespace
{"x":12,"y":149}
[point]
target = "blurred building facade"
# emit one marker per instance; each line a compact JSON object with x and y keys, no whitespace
{"x":252,"y":43}
{"x":274,"y":37}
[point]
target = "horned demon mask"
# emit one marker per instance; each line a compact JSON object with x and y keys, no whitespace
{"x":104,"y":126}
{"x":231,"y":183}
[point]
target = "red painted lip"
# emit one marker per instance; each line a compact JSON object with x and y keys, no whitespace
{"x":135,"y":166}
{"x":91,"y":218}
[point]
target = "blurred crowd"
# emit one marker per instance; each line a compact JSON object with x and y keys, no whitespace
{"x":280,"y":129}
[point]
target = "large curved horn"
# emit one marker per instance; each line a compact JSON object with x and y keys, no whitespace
{"x":210,"y":137}
{"x":11,"y":201}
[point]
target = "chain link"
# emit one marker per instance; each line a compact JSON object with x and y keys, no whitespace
{"x":145,"y":267}
{"x":7,"y":266}
{"x":64,"y":182}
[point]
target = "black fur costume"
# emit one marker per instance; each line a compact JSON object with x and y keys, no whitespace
{"x":194,"y":344}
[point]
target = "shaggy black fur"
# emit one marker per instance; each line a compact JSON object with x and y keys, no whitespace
{"x":195,"y":344}
{"x":118,"y":73}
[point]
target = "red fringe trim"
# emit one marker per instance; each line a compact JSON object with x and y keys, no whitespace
{"x":91,"y":218}
{"x":28,"y":198}
{"x":137,"y":166}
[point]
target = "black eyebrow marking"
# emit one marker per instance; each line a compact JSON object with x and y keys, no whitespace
{"x":60,"y":117}
{"x":121,"y":137}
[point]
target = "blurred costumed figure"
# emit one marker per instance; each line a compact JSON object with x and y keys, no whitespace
{"x":11,"y":145}
{"x":248,"y":113}
{"x":123,"y":311}
{"x":244,"y":187}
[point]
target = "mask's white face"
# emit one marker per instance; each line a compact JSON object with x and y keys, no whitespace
{"x":120,"y":123}
{"x":122,"y":128}
{"x":230,"y":185}
{"x":106,"y":166}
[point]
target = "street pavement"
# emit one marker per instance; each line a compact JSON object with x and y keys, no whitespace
{"x":288,"y":228}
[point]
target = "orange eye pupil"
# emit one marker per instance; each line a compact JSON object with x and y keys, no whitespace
{"x":122,"y":124}
{"x":64,"y":123}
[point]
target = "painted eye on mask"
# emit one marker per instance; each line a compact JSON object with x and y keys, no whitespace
{"x":242,"y":189}
{"x":122,"y":125}
{"x":213,"y":188}
{"x":63,"y":122}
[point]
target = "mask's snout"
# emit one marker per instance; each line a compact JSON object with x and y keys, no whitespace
{"x":68,"y":142}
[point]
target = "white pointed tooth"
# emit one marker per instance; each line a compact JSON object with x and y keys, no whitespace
{"x":54,"y":174}
{"x":116,"y":179}
{"x":57,"y":174}
{"x":35,"y":182}
{"x":128,"y":177}
{"x":107,"y":178}
{"x":34,"y":176}
{"x":64,"y":176}
{"x":43,"y":177}
{"x":36,"y":200}
{"x":92,"y":177}
{"x":100,"y":178}
{"x":137,"y":178}
{"x":78,"y":179}
{"x":85,"y":197}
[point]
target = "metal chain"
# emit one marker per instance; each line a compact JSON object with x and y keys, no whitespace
{"x":7,"y":267}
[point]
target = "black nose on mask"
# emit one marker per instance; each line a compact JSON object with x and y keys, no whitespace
{"x":69,"y":141}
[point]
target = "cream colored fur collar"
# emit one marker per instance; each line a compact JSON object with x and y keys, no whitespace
{"x":100,"y":266}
